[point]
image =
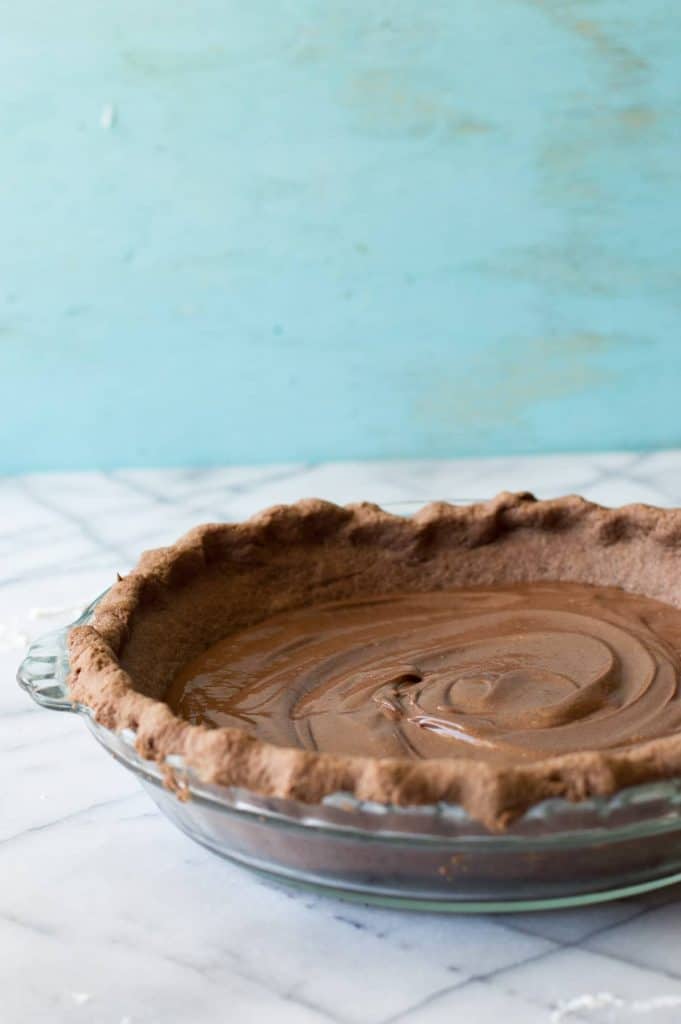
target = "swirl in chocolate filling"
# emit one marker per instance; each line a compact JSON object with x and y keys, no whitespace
{"x":501,"y":673}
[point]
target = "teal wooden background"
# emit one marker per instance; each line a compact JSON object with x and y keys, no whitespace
{"x":299,"y":230}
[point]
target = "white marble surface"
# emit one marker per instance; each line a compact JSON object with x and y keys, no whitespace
{"x":108,"y":915}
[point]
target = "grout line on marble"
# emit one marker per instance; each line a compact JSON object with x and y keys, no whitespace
{"x":82,"y":812}
{"x":78,"y":522}
{"x":301,"y":469}
{"x":616,"y":958}
{"x":143,"y":490}
{"x":10,"y":537}
{"x":208,"y":974}
{"x":45,"y":741}
{"x":625,"y":958}
{"x":186,"y":501}
{"x":18,"y":922}
{"x":205,"y":973}
{"x":571,"y":943}
{"x":432,"y":997}
{"x":655,"y":485}
{"x":57,"y":569}
{"x":308,"y":1004}
{"x":20,"y":712}
{"x":483,"y":976}
{"x":550,"y":1008}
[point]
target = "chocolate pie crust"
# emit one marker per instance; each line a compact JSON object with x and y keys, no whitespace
{"x":177,"y":601}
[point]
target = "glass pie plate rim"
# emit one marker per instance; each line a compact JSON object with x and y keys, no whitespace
{"x":648,"y":811}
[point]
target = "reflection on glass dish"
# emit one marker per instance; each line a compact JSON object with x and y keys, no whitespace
{"x":435,"y":857}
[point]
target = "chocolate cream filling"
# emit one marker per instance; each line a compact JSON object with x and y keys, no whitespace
{"x":505,"y":673}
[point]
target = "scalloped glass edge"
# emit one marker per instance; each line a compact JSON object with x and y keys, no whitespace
{"x":640,"y":810}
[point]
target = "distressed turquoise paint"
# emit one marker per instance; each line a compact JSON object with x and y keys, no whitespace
{"x":323,"y":230}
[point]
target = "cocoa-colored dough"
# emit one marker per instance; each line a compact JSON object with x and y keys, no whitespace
{"x":219,"y":579}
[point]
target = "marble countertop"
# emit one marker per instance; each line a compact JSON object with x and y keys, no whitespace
{"x":108,"y":915}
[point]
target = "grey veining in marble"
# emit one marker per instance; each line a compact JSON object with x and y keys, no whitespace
{"x":110,"y":916}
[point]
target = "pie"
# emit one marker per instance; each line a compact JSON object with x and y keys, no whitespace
{"x":490,"y":655}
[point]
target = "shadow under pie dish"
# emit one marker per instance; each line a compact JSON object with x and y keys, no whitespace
{"x":441,"y":709}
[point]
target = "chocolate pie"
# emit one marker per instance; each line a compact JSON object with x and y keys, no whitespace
{"x":491,"y":655}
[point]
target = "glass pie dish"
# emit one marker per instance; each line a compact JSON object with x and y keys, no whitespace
{"x":430,"y":858}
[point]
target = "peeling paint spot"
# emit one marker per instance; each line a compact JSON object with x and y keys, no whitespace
{"x":159,"y":63}
{"x":533,"y":371}
{"x":637,"y":119}
{"x":621,"y":58}
{"x":386,"y":100}
{"x":585,"y":266}
{"x":564,"y":164}
{"x":607,"y":47}
{"x":577,"y":145}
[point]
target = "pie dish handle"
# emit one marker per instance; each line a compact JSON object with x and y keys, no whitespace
{"x":44,"y":671}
